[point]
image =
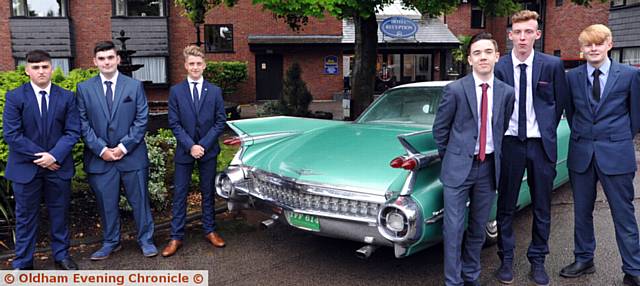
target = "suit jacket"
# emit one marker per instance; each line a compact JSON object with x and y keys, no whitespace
{"x":126,"y":124}
{"x":549,"y":88}
{"x":455,"y":128}
{"x":606,"y":132}
{"x":190,"y":126}
{"x":22,"y":132}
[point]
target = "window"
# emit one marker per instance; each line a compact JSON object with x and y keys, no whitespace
{"x":218,"y":38}
{"x":631,"y":56}
{"x":62,"y":63}
{"x":615,"y":55}
{"x":477,"y":17}
{"x":139,"y":8}
{"x":154,"y":69}
{"x":617,"y":3}
{"x":559,"y":3}
{"x":39,"y":8}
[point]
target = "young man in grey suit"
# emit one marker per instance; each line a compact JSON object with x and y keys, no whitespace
{"x":468,"y":131}
{"x":603,"y":114}
{"x":113,"y":115}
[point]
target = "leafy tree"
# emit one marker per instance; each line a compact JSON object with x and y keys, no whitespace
{"x":196,"y":10}
{"x":296,"y":13}
{"x":296,"y":97}
{"x":460,"y":54}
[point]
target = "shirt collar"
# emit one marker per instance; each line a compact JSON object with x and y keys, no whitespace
{"x":114,"y":79}
{"x":604,"y":68}
{"x":516,"y":61}
{"x":37,"y":89}
{"x":478,"y":81}
{"x":199,"y":81}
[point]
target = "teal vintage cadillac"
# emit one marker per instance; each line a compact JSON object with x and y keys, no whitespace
{"x":374,"y":180}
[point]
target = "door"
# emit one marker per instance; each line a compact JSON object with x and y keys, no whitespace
{"x":268,"y":77}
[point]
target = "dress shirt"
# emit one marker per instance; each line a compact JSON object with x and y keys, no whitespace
{"x":489,"y":149}
{"x":532,"y":124}
{"x":113,"y":81}
{"x":200,"y":81}
{"x":37,"y":90}
{"x":604,"y":70}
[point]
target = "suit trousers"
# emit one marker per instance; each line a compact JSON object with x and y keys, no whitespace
{"x":620,"y":194}
{"x":182,"y":182}
{"x":516,"y":157}
{"x":463,"y":263}
{"x":56,"y":193}
{"x":106,"y":186}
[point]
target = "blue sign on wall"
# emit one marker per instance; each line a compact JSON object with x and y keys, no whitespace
{"x":398,"y":27}
{"x":331,"y":65}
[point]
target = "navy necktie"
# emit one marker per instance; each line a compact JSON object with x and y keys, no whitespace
{"x":109,"y":95}
{"x":43,"y":117}
{"x":196,"y":96}
{"x":522,"y":103}
{"x":595,"y":92}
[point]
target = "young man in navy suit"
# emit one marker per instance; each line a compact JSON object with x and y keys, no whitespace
{"x":113,"y":112}
{"x":41,"y":125}
{"x":197,"y":118}
{"x":468,"y":131}
{"x":603,"y":113}
{"x":530,"y":143}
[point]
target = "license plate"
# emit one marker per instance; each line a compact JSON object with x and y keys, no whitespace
{"x":303,"y":221}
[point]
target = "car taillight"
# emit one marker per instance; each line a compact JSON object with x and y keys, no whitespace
{"x":232,"y":141}
{"x":404,"y":163}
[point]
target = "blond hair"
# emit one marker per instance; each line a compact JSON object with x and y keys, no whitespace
{"x":192,"y":50}
{"x":524,"y":16}
{"x":594,"y":34}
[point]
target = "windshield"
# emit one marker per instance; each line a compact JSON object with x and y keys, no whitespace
{"x":408,"y":106}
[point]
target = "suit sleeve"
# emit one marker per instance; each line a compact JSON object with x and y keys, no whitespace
{"x":12,"y":119}
{"x":561,"y":90}
{"x":137,"y":131}
{"x":444,"y":118}
{"x":91,"y":140}
{"x":71,"y":131}
{"x":219,"y":121}
{"x":182,"y":137}
{"x":634,"y":102}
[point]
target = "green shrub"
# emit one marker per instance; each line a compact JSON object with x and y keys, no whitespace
{"x":269,"y":108}
{"x":227,"y":75}
{"x":296,"y":97}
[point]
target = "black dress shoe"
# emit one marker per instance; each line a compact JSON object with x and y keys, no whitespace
{"x":631,"y":280}
{"x":577,"y":269}
{"x":67,"y":264}
{"x":29,"y":267}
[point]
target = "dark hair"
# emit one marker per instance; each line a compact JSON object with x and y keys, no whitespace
{"x":37,"y":56}
{"x":481,"y":36}
{"x":104,"y":46}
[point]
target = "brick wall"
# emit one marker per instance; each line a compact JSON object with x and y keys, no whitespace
{"x":321,"y":86}
{"x":6,"y":60}
{"x":91,"y":22}
{"x":564,"y":24}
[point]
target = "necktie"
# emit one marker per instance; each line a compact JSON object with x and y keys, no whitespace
{"x":595,"y":92}
{"x":522,"y":103}
{"x":196,"y":96}
{"x":483,"y":122}
{"x":109,"y":95}
{"x":43,"y":116}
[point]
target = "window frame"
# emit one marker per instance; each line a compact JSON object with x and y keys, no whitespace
{"x":64,"y":10}
{"x":217,"y":28}
{"x":114,"y":10}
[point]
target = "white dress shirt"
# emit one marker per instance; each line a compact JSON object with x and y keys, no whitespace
{"x":113,"y":81}
{"x":532,"y":124}
{"x":489,"y":148}
{"x":37,"y":90}
{"x":200,"y":81}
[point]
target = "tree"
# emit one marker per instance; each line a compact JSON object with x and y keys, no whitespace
{"x":296,"y":97}
{"x":196,"y":10}
{"x":296,"y":13}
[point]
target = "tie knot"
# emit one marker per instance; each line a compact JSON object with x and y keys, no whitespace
{"x":108,"y":83}
{"x":484,"y":86}
{"x":596,"y":73}
{"x":195,"y":83}
{"x":522,"y":67}
{"x":42,"y":92}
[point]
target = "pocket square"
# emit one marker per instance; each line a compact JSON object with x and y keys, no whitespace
{"x":543,"y":83}
{"x":127,"y":99}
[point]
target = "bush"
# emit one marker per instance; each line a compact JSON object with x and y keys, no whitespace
{"x":227,"y":75}
{"x":269,"y":108}
{"x":296,"y":97}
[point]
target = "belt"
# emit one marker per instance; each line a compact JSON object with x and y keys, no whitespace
{"x":486,"y":157}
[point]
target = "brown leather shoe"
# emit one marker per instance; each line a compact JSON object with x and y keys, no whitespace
{"x":171,"y":248}
{"x":215,"y":239}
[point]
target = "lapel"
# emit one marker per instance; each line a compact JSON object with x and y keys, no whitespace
{"x":468,"y":84}
{"x":498,"y":95}
{"x":32,"y":104}
{"x":584,"y":91}
{"x":507,"y":68}
{"x":614,"y":73}
{"x":54,"y":97}
{"x":538,"y":64}
{"x":121,"y":83}
{"x":203,"y":94}
{"x":100,"y":93}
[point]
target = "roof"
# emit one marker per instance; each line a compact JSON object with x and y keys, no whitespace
{"x":430,"y":31}
{"x":294,"y":39}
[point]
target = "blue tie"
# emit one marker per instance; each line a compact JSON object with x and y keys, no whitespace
{"x":196,"y":96}
{"x":109,"y":95}
{"x":522,"y":103}
{"x":43,"y":117}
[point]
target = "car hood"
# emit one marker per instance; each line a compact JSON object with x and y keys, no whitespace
{"x":355,"y":156}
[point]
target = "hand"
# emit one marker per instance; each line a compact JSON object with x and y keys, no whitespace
{"x":54,"y":167}
{"x":108,"y":156}
{"x":117,"y":153}
{"x":45,"y":159}
{"x":197,"y":151}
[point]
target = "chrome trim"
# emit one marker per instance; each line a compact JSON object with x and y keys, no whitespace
{"x":411,"y":211}
{"x":435,"y":217}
